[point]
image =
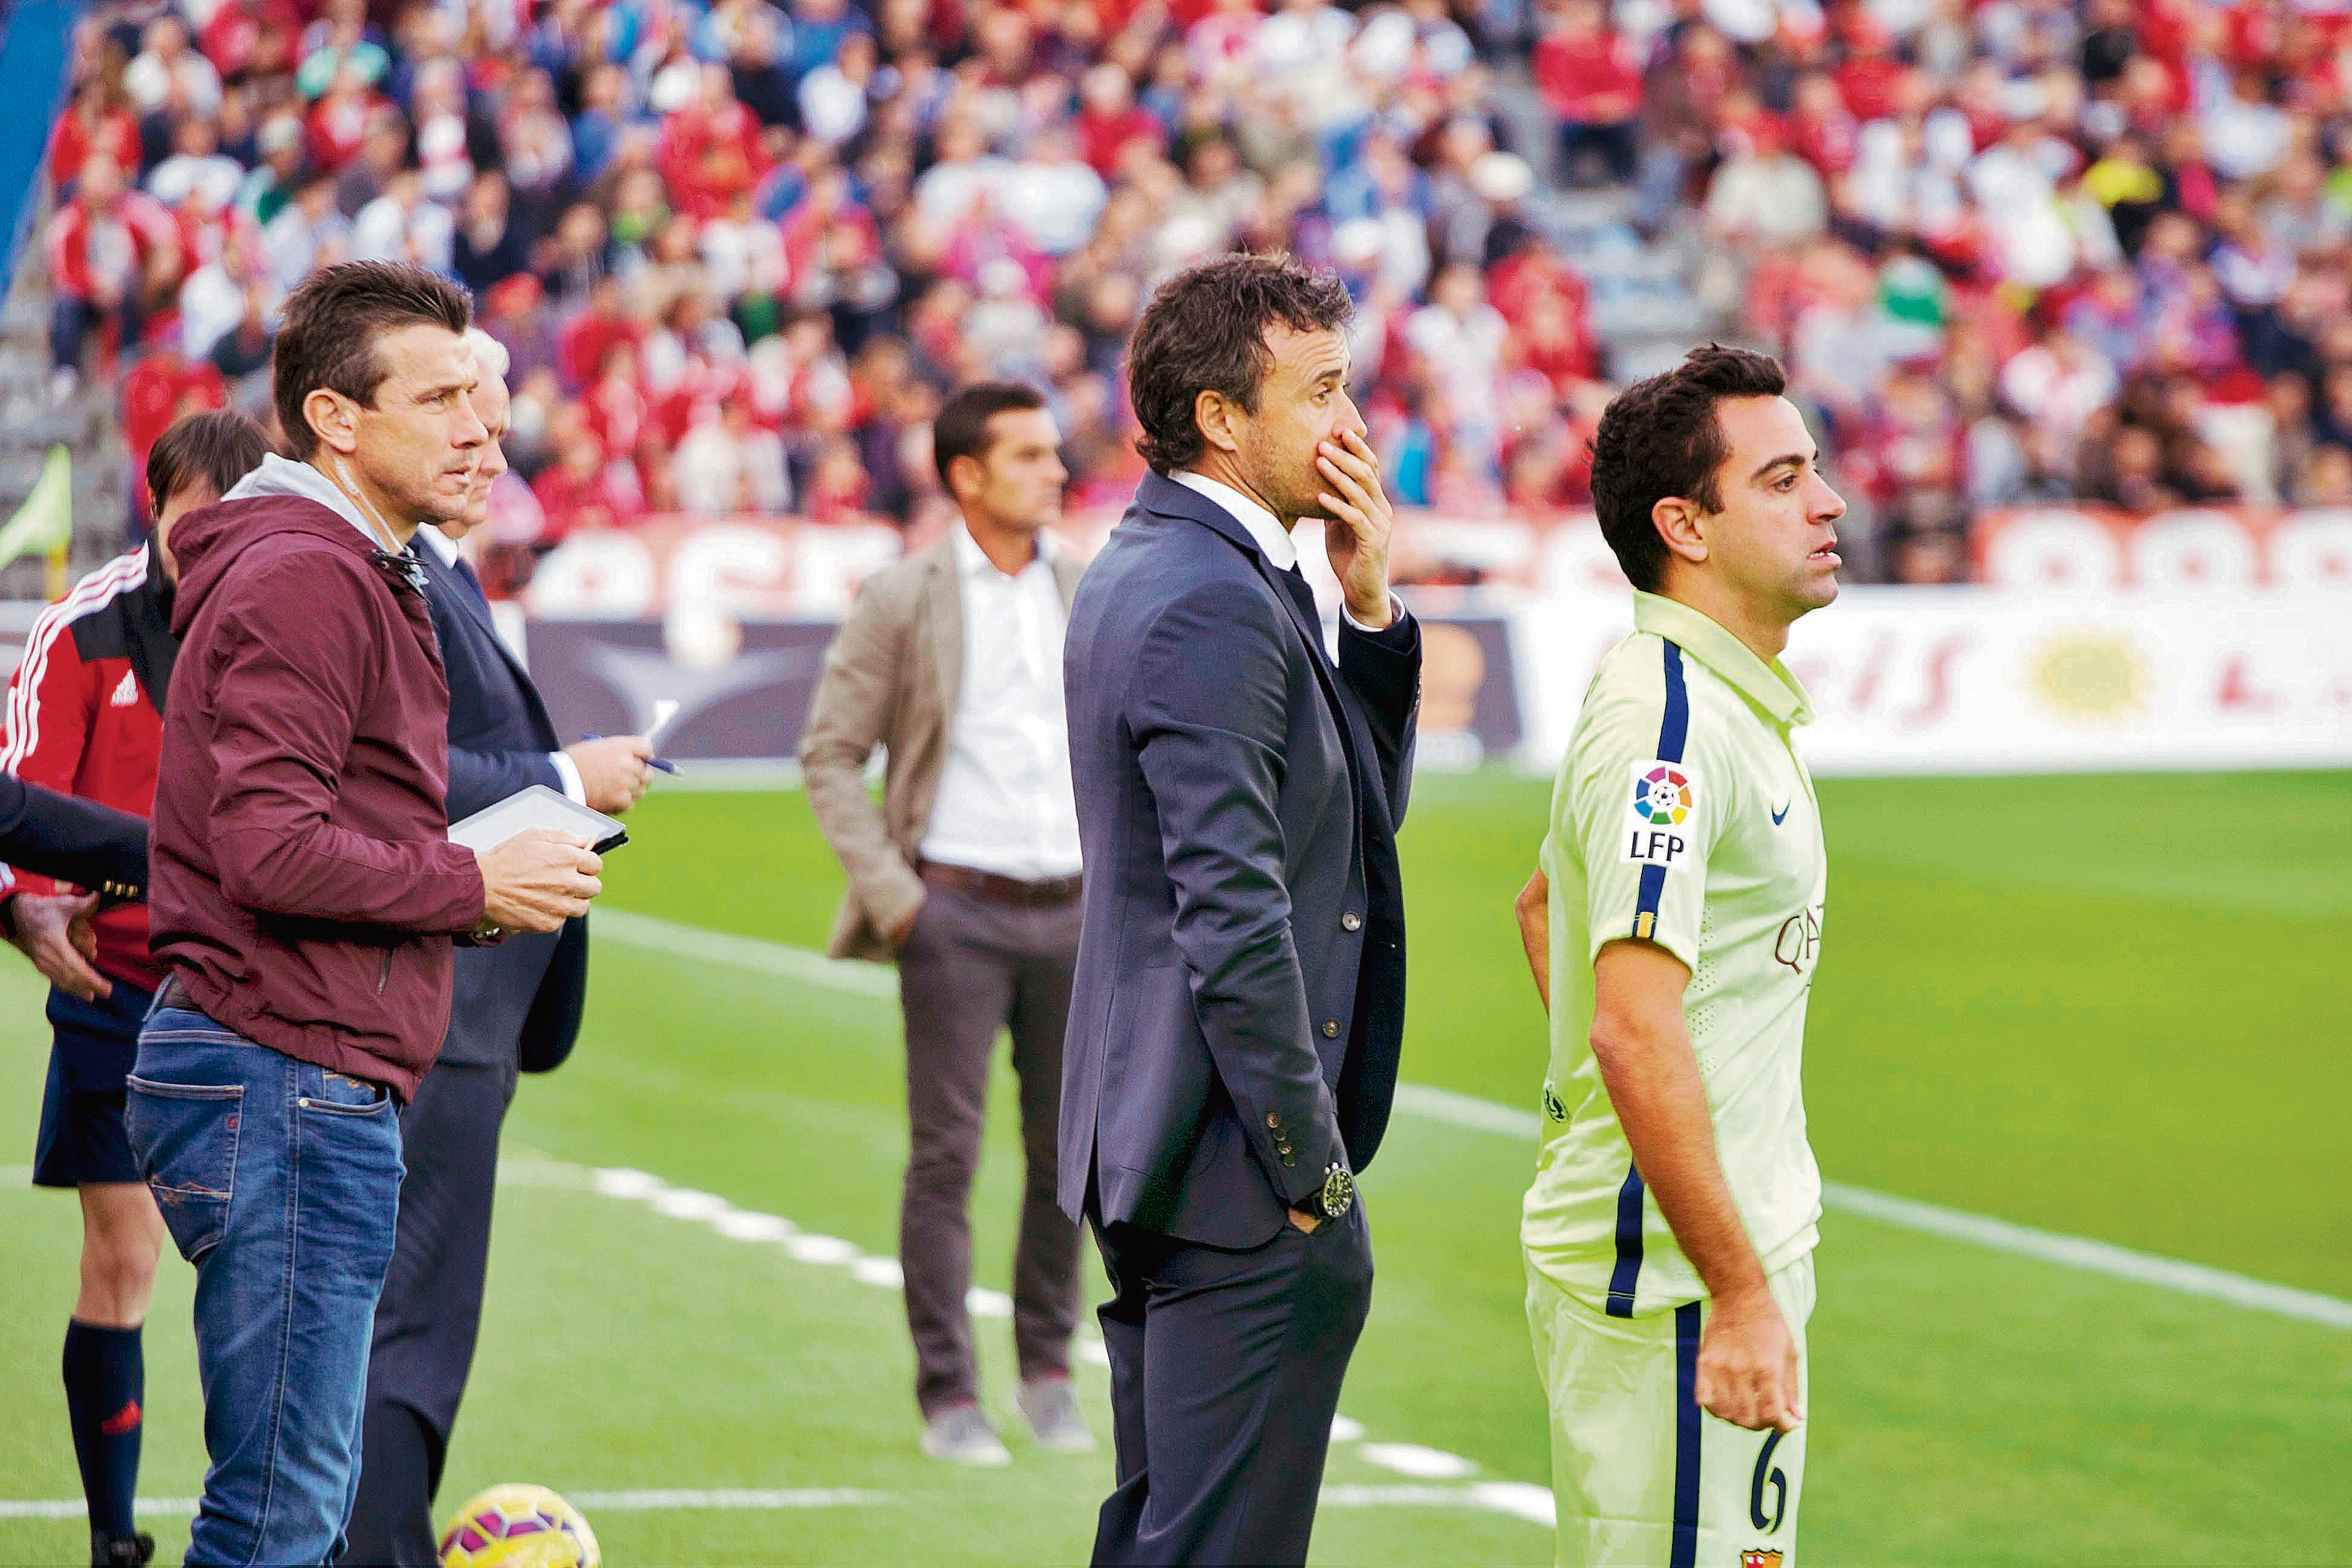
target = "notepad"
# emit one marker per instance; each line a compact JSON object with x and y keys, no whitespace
{"x":537,"y":806}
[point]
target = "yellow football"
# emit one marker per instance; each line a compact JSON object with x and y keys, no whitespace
{"x":519,"y":1526}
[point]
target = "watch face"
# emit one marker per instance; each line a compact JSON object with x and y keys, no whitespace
{"x":1339,"y":1192}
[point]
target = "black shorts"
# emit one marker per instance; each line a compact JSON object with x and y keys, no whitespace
{"x":81,"y":1112}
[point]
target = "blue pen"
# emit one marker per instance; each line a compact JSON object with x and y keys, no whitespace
{"x":664,"y":764}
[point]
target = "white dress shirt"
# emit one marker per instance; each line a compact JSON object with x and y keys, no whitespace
{"x":442,"y":546}
{"x":1005,"y":802}
{"x":1274,"y":542}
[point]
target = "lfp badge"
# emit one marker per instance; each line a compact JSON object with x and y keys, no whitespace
{"x":1664,"y":795}
{"x":1661,"y":797}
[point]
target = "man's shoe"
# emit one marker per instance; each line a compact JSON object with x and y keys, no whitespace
{"x":962,"y":1435}
{"x":1052,"y":1408}
{"x":119,"y":1551}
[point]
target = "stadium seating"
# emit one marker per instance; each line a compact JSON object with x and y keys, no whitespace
{"x":2013,"y":253}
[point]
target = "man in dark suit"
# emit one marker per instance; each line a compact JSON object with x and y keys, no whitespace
{"x":515,"y":1007}
{"x":1240,"y":991}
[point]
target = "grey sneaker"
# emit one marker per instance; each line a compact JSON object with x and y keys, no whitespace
{"x":962,"y":1435}
{"x":1051,"y":1408}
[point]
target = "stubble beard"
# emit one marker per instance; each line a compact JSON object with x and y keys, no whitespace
{"x":1263,"y":471}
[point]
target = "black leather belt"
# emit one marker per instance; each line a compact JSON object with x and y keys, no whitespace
{"x":996,"y":889}
{"x":172,"y":994}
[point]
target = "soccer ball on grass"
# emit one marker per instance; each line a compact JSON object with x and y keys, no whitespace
{"x":516,"y":1526}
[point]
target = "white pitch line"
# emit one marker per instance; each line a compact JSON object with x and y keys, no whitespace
{"x":666,"y":1499}
{"x":1982,"y":1230}
{"x":640,"y":1500}
{"x":1521,"y":1499}
{"x":750,"y":952}
{"x":693,"y":1207}
{"x":1444,"y":1105}
{"x":2097,"y":1256}
{"x":687,"y":1205}
{"x":77,"y":1507}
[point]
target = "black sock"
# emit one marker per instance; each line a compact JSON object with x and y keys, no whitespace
{"x":106,"y":1377}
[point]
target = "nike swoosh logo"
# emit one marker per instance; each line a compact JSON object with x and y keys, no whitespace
{"x":1782,"y":815}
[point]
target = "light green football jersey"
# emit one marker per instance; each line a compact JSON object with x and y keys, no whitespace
{"x":1684,"y":816}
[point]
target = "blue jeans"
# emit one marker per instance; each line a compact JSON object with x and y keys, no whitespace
{"x":280,"y":1181}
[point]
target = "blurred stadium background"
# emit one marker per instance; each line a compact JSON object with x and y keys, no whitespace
{"x":2066,"y":288}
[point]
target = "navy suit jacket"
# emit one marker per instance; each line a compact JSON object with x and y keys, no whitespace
{"x":520,"y":1001}
{"x":1239,"y":999}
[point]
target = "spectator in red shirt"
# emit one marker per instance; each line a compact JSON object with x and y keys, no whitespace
{"x":581,"y":349}
{"x":1589,"y":77}
{"x":616,"y":403}
{"x":1110,"y":121}
{"x":576,"y":493}
{"x":251,"y":37}
{"x":1821,"y":130}
{"x":111,"y":252}
{"x":710,"y":148}
{"x":1871,"y":78}
{"x":163,"y":388}
{"x":838,"y":485}
{"x":338,"y":122}
{"x":97,"y":125}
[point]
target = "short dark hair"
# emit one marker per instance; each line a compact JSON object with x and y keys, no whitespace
{"x":1204,"y":331}
{"x":213,"y":449}
{"x":960,"y":428}
{"x":1660,"y":437}
{"x":329,"y":333}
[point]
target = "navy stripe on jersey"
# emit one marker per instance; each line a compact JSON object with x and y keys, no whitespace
{"x":1623,"y":1278}
{"x":1674,"y":734}
{"x":1684,"y":1550}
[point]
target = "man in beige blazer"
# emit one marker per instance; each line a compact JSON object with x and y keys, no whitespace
{"x":968,"y":877}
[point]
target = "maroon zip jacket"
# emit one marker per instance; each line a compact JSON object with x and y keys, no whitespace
{"x":304,"y":888}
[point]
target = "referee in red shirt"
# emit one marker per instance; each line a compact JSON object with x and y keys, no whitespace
{"x":84,"y":716}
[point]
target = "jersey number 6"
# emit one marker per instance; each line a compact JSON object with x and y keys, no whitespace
{"x":1766,"y":1474}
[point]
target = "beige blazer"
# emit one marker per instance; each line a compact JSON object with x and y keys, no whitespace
{"x":891,"y":679}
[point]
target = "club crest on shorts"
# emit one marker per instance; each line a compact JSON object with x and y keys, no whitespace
{"x":1761,"y":1557}
{"x":1658,"y":829}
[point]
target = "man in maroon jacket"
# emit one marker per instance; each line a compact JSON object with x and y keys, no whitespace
{"x":305,"y":893}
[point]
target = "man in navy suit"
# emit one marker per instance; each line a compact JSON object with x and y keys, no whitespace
{"x":514,"y":1007}
{"x":1240,"y":991}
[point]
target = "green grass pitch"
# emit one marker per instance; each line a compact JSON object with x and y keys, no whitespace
{"x":2112,"y":1007}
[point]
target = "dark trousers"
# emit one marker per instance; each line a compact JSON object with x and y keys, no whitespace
{"x":1618,"y":146}
{"x":71,"y":320}
{"x":431,"y":1310}
{"x":971,"y":967}
{"x":1224,"y":1374}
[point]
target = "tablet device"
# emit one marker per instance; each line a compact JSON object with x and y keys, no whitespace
{"x":537,"y":806}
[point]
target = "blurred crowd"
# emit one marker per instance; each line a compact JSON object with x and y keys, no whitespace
{"x":2012,"y":250}
{"x":2020,"y":252}
{"x":740,"y":251}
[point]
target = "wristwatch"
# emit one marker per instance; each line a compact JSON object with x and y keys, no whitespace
{"x":1338,"y":1194}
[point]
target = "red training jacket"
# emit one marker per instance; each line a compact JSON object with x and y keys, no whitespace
{"x":85,"y":716}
